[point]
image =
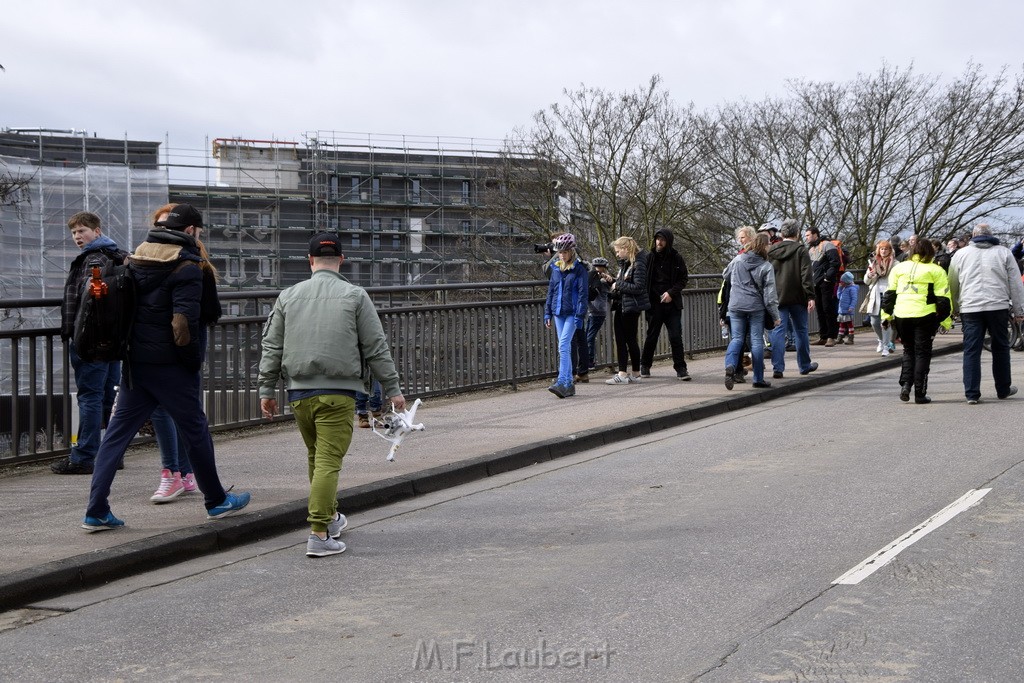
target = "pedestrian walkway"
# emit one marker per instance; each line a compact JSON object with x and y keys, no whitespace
{"x":467,"y":437}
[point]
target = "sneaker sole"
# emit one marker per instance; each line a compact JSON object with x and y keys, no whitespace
{"x":226,"y":513}
{"x":325,"y":553}
{"x":93,"y":529}
{"x":165,"y":499}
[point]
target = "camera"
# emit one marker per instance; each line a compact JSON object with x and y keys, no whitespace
{"x":541,"y":248}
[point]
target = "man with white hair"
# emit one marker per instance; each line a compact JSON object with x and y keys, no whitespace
{"x":986,"y":289}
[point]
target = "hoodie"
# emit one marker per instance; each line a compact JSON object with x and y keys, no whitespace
{"x":667,"y":271}
{"x":793,"y":280}
{"x":983,"y":276}
{"x":103,"y":252}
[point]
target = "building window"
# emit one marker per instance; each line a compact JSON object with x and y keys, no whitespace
{"x":415,"y":191}
{"x":266,"y":267}
{"x":234,"y":219}
{"x":375,"y":222}
{"x":465,"y":192}
{"x":465,"y":227}
{"x":396,"y":241}
{"x":234,"y":267}
{"x":503,"y":228}
{"x":396,"y":273}
{"x":355,"y":189}
{"x":396,"y":224}
{"x":355,"y":223}
{"x":375,"y":188}
{"x":356,"y":241}
{"x":334,"y":187}
{"x":376,"y":241}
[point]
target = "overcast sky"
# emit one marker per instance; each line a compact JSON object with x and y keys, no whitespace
{"x":260,"y":69}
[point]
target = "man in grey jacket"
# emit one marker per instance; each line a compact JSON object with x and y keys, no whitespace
{"x":986,"y":288}
{"x":325,"y":337}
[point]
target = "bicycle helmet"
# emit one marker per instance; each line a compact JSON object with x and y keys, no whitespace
{"x":564,"y":242}
{"x":599,"y":261}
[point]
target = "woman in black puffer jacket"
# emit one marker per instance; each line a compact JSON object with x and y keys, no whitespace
{"x":629,"y":299}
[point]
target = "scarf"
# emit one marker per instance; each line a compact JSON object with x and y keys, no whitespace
{"x":882,"y":265}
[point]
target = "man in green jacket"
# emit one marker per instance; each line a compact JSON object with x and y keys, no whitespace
{"x":325,"y":337}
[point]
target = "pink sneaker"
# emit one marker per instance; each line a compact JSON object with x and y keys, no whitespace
{"x":189,"y":482}
{"x":170,"y":487}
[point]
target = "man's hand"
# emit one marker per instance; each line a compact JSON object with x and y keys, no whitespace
{"x":810,"y":305}
{"x":666,"y":298}
{"x":268,"y":406}
{"x":398,"y":402}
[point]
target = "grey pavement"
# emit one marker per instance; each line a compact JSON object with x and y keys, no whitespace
{"x":467,"y":437}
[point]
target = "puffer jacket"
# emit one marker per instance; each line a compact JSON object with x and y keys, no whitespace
{"x":631,"y":284}
{"x":984,"y":277}
{"x":751,"y":285}
{"x":324,"y":333}
{"x":567,"y":292}
{"x":169,"y":288}
{"x":910,"y":280}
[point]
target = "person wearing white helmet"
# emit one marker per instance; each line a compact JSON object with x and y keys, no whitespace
{"x":600,"y":285}
{"x":566,"y":305}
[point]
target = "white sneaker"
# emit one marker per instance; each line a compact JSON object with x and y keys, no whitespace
{"x":170,"y":487}
{"x":885,"y":352}
{"x":878,"y":349}
{"x":618,"y":379}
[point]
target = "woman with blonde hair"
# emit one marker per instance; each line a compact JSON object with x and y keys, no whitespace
{"x":751,"y":296}
{"x":629,"y":299}
{"x":877,"y":280}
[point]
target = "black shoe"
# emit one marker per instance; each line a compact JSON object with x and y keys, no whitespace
{"x":1011,"y":392}
{"x":684,"y":376}
{"x":730,"y":377}
{"x":557,"y":390}
{"x":922,"y":399}
{"x":905,"y":392}
{"x":776,"y":375}
{"x":740,"y":379}
{"x":762,"y":385}
{"x":790,"y":348}
{"x":66,"y":466}
{"x":645,"y":371}
{"x":810,"y":368}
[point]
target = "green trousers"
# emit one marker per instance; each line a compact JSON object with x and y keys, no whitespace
{"x":325,"y":423}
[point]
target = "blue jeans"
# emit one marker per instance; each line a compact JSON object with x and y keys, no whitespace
{"x":738,"y":323}
{"x":594,"y":325}
{"x":178,"y":390}
{"x":172,"y":449}
{"x":795,"y":315}
{"x":565,"y":325}
{"x":975,"y":325}
{"x":97,"y":386}
{"x":374,"y":399}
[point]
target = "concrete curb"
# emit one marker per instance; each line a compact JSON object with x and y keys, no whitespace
{"x":101,"y":566}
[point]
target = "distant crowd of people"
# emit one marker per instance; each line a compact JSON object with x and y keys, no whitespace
{"x":914,"y":289}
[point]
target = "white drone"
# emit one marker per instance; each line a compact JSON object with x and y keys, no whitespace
{"x":394,"y":426}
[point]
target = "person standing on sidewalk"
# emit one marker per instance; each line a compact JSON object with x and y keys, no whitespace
{"x":668,"y":276}
{"x":566,"y":304}
{"x":597,"y":310}
{"x":96,"y":381}
{"x":325,"y":338}
{"x":164,"y":359}
{"x":877,"y":280}
{"x":825,"y":264}
{"x":630,"y":298}
{"x":986,"y":290}
{"x":795,"y":288}
{"x":752,"y":296}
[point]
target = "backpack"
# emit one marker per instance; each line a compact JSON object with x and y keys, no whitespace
{"x":106,"y":309}
{"x":844,"y":255}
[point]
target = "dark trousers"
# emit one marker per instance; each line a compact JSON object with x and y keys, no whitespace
{"x":627,"y":346}
{"x":996,"y":324}
{"x":178,"y":391}
{"x":580,"y":353}
{"x":671,"y":317}
{"x":917,"y":335}
{"x":827,"y":306}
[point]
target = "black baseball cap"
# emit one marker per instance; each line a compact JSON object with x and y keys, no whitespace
{"x":324,"y":244}
{"x":181,"y":217}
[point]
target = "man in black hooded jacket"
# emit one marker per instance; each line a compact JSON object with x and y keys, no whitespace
{"x":667,"y":276}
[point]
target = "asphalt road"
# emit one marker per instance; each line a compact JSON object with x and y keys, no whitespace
{"x":705,"y":553}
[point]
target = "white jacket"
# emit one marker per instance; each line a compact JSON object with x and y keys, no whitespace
{"x":984,"y":277}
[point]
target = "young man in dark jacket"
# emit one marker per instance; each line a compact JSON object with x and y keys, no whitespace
{"x":825,"y":272}
{"x":667,"y":276}
{"x":164,"y":358}
{"x":95,"y":380}
{"x":795,"y":287}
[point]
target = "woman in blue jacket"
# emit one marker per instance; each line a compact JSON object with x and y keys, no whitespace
{"x":567,"y":306}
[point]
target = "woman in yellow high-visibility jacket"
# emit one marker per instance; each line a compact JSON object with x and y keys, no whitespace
{"x":922,"y":304}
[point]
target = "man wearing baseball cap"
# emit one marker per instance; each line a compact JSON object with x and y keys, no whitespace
{"x":162,"y":367}
{"x":325,"y":338}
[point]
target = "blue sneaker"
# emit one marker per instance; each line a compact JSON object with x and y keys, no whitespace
{"x":233,"y":502}
{"x":92,"y":524}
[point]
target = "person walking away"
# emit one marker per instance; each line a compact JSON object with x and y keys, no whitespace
{"x":96,"y":381}
{"x":825,"y":264}
{"x":668,"y":276}
{"x":566,"y":304}
{"x":846,"y":298}
{"x":630,"y":299}
{"x":752,"y":296}
{"x":795,"y":288}
{"x":600,"y":283}
{"x":877,"y":280}
{"x":986,"y":290}
{"x":325,"y":339}
{"x":917,"y":302}
{"x":163,"y":363}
